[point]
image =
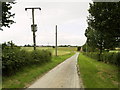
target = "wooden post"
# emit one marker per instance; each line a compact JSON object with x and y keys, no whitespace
{"x":56,"y":41}
{"x":34,"y":40}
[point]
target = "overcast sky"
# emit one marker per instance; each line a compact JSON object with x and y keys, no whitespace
{"x":70,"y":16}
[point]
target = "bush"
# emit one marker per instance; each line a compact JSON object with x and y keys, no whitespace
{"x":13,"y":59}
{"x":40,"y":56}
{"x":107,"y":57}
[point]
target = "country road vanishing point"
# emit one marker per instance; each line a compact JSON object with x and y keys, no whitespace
{"x":62,"y":76}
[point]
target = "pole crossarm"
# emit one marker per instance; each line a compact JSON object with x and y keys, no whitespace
{"x":33,"y":8}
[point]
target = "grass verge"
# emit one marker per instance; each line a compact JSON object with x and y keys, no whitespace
{"x":96,"y":74}
{"x":29,"y":74}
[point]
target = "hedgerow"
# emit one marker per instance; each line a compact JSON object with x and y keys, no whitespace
{"x":107,"y":57}
{"x":13,"y":59}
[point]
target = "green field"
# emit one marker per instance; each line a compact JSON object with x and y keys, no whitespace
{"x":98,"y":74}
{"x":114,"y":51}
{"x":61,"y":50}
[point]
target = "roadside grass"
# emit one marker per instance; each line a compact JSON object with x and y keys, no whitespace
{"x":29,"y":74}
{"x":96,"y":74}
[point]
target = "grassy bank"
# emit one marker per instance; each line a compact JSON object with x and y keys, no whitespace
{"x":97,"y":74}
{"x":29,"y":74}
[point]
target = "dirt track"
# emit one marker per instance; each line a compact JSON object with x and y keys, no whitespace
{"x":63,"y":76}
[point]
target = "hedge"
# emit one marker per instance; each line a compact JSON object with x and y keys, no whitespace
{"x":13,"y":59}
{"x":107,"y":57}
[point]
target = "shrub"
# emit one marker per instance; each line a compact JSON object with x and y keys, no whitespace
{"x":13,"y":59}
{"x":40,"y":56}
{"x":107,"y":57}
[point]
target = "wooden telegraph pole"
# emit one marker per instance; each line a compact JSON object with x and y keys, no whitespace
{"x":86,"y":47}
{"x":33,"y":26}
{"x":56,"y":41}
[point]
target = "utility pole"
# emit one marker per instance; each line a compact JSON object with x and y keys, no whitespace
{"x":33,"y":26}
{"x":86,"y":47}
{"x":1,"y":16}
{"x":56,"y":41}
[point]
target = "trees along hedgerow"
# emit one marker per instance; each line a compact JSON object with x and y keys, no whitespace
{"x":103,"y":30}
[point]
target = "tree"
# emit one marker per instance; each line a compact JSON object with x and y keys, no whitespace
{"x":103,"y":25}
{"x":9,"y":44}
{"x":94,"y":39}
{"x":6,"y":14}
{"x":98,"y":40}
{"x":104,"y":17}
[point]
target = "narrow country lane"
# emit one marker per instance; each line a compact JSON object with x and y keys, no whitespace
{"x":62,"y":76}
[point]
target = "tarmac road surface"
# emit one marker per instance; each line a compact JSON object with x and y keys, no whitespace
{"x":62,"y":76}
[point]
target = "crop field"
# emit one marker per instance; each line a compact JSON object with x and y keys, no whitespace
{"x":114,"y":51}
{"x":61,"y":50}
